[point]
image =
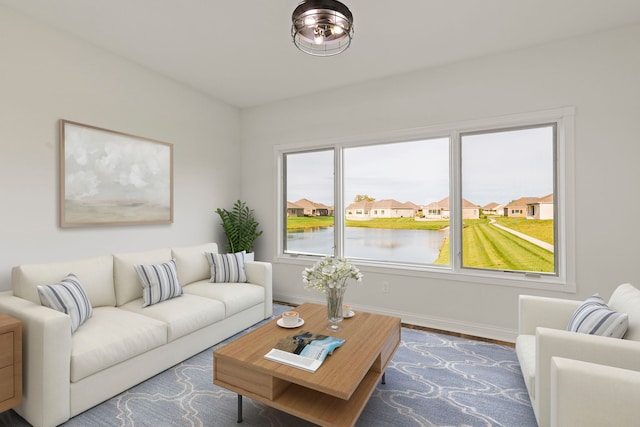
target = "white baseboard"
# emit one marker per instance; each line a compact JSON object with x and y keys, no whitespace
{"x":419,"y":319}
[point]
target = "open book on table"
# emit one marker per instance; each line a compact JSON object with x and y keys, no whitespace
{"x":304,"y":350}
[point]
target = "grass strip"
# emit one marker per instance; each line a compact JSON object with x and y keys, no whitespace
{"x":486,"y":246}
{"x":541,"y":229}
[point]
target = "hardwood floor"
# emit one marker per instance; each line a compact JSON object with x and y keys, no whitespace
{"x":438,"y":331}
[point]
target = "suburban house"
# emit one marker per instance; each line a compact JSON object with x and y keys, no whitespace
{"x":493,"y":208}
{"x":305,"y":207}
{"x":294,"y":210}
{"x":530,"y":207}
{"x":541,"y":208}
{"x":442,"y":210}
{"x":223,"y":84}
{"x":518,"y":208}
{"x":388,"y":208}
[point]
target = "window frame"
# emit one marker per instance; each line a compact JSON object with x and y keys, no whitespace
{"x":519,"y":211}
{"x":562,"y":118}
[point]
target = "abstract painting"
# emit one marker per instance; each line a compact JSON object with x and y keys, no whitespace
{"x":112,"y":178}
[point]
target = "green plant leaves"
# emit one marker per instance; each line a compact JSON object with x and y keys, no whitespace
{"x":240,"y":227}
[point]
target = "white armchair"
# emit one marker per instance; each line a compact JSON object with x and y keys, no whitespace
{"x":591,"y":395}
{"x":543,"y":335}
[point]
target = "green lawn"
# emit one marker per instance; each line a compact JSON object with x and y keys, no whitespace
{"x":296,"y":223}
{"x":394,"y":223}
{"x":399,"y":223}
{"x":487,"y":246}
{"x":443,"y":256}
{"x":540,"y":229}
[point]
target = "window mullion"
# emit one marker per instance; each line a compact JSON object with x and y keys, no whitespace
{"x":338,"y":203}
{"x":455,"y":191}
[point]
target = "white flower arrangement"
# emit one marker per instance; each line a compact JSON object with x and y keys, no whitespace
{"x":330,"y":273}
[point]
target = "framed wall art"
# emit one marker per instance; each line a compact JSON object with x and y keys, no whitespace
{"x":111,"y":178}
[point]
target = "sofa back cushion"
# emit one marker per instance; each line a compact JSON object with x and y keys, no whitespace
{"x":191,"y":262}
{"x":96,"y":275}
{"x":127,"y":285}
{"x":626,"y":299}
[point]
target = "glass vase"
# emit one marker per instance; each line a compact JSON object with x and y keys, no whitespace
{"x":334,"y":308}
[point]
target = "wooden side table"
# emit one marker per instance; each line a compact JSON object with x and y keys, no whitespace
{"x":10,"y":362}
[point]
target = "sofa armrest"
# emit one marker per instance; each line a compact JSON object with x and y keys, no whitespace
{"x":587,"y":394}
{"x":260,"y":273}
{"x":572,"y":345}
{"x":46,"y":352}
{"x":545,"y":312}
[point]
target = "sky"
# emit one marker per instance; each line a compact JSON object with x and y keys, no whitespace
{"x":497,"y":167}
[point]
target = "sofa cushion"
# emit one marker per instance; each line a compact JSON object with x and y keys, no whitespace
{"x":594,"y":317}
{"x":96,"y":274}
{"x":159,"y":282}
{"x":191,"y":262}
{"x":626,"y":299}
{"x":182,"y":315}
{"x":69,"y":297}
{"x":111,"y":336}
{"x":236,"y":297}
{"x":125,"y":277}
{"x":227,"y":268}
{"x":526,"y":351}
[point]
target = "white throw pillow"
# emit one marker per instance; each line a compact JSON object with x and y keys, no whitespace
{"x":159,"y":282}
{"x":68,"y":297}
{"x":227,"y":267}
{"x":596,"y":318}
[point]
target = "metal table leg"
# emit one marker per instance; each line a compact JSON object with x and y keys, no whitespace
{"x":239,"y":408}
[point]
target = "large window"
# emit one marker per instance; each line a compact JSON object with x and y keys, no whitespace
{"x":481,"y":199}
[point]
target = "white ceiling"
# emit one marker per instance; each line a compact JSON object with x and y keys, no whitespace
{"x":240,"y":51}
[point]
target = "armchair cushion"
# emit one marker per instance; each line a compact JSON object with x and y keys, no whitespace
{"x":626,"y":299}
{"x":596,"y":318}
{"x":526,"y":351}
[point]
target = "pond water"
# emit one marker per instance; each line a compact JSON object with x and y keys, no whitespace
{"x":379,"y":244}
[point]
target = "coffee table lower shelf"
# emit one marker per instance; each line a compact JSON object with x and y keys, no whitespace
{"x":313,"y":406}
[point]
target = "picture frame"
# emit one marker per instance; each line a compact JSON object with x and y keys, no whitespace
{"x":110,"y":178}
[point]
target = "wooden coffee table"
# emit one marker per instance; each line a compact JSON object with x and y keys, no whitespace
{"x":337,"y":392}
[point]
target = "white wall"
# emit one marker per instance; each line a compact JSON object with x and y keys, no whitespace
{"x":46,"y":76}
{"x":598,"y":74}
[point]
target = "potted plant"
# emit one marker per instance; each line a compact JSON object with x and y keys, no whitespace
{"x":240,"y":227}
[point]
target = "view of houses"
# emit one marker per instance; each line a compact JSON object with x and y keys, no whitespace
{"x":524,"y":207}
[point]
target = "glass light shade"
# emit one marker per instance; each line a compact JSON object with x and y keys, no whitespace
{"x":322,"y":27}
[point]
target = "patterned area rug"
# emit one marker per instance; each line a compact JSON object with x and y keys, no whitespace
{"x":433,"y":380}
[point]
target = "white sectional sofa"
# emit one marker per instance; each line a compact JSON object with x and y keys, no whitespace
{"x":549,"y":355}
{"x":122,"y":343}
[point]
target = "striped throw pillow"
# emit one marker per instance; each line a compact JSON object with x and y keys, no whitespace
{"x":227,"y":267}
{"x":596,"y":318}
{"x":159,"y":282}
{"x":68,"y":297}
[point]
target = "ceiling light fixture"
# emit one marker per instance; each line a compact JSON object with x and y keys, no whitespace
{"x":322,"y":27}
